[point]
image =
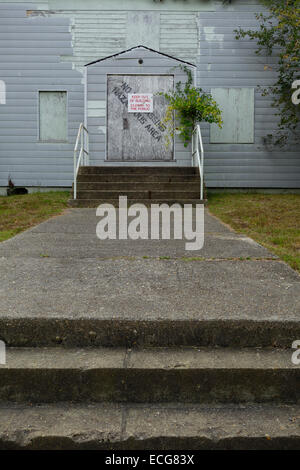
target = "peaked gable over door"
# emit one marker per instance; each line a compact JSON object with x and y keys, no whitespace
{"x":116,"y":134}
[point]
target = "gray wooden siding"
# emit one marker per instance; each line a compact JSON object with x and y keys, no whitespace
{"x":47,"y":47}
{"x":179,"y":35}
{"x":30,"y":50}
{"x":225,"y":62}
{"x":95,"y":34}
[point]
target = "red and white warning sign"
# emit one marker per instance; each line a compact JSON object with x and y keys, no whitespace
{"x":140,"y":103}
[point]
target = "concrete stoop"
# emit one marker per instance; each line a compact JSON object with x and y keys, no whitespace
{"x":146,"y":185}
{"x":94,"y":331}
{"x":149,"y":398}
{"x":127,"y":345}
{"x":177,"y":426}
{"x":153,"y":375}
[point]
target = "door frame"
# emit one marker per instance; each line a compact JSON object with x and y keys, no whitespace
{"x":106,"y":118}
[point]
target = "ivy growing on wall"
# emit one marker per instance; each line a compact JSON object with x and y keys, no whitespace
{"x":190,"y":105}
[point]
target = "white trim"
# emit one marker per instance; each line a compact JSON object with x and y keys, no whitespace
{"x":195,"y":77}
{"x":85,"y":97}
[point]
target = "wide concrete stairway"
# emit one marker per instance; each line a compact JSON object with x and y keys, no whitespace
{"x":119,"y":386}
{"x":99,"y":184}
{"x":139,"y":344}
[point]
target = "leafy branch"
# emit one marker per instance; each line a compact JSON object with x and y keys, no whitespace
{"x":279,"y":34}
{"x":190,"y":105}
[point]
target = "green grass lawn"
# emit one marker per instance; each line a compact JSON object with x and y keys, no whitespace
{"x":272,"y":220}
{"x":18,"y":213}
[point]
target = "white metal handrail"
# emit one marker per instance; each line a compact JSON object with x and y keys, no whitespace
{"x":198,"y":152}
{"x":83,"y":139}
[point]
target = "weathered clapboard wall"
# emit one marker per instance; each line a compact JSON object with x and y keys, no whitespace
{"x":225,"y":62}
{"x":30,"y":50}
{"x":44,"y":45}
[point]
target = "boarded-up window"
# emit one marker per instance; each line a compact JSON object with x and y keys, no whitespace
{"x":53,"y":116}
{"x":237,"y":105}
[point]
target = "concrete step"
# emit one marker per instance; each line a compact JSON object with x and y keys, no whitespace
{"x":97,"y":185}
{"x":56,"y":330}
{"x":138,"y":194}
{"x":154,"y":375}
{"x":138,"y":177}
{"x":177,"y":426}
{"x":141,"y":186}
{"x":147,"y":202}
{"x":166,"y":170}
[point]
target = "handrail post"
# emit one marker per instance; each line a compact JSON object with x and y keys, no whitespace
{"x":75,"y":177}
{"x":193,"y":160}
{"x":196,"y":142}
{"x":88,"y":148}
{"x":201,"y":161}
{"x":83,"y":139}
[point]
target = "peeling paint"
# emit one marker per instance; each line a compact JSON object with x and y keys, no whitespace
{"x":95,"y":34}
{"x":179,"y":35}
{"x":143,"y":28}
{"x":134,"y":5}
{"x":210,"y":35}
{"x":102,"y":129}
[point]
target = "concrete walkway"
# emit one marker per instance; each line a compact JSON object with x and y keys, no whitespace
{"x":143,"y":345}
{"x":61,"y":270}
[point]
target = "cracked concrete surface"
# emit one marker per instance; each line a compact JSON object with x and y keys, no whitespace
{"x":132,"y":426}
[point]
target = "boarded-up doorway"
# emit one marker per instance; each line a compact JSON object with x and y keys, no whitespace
{"x":140,"y":136}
